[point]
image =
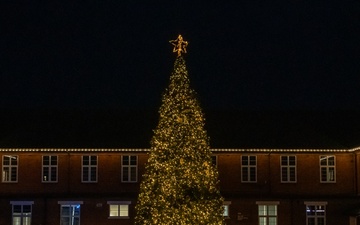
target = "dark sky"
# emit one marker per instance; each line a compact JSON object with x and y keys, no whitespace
{"x":246,"y":55}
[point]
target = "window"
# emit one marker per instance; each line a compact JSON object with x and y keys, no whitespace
{"x":315,"y":213}
{"x":267,"y":212}
{"x":226,"y":205}
{"x":214,"y":160}
{"x":248,"y":168}
{"x":89,"y":168}
{"x":10,"y":168}
{"x":119,"y":209}
{"x":21,"y":212}
{"x":327,"y":169}
{"x":49,"y":168}
{"x":70,"y":213}
{"x":288,"y":169}
{"x":129,"y":168}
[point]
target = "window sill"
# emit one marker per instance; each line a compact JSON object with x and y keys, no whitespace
{"x":118,"y":217}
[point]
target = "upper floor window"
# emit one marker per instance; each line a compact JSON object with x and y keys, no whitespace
{"x":10,"y":168}
{"x":267,"y":212}
{"x":70,"y":213}
{"x":248,"y":168}
{"x":89,"y":168}
{"x":49,"y":168}
{"x":119,"y":209}
{"x":315,"y":213}
{"x":327,"y":169}
{"x":288,"y":169}
{"x":21,"y":212}
{"x":129,"y":168}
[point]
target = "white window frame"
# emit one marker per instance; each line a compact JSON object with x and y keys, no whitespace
{"x":72,"y":205}
{"x":24,"y":217}
{"x":90,"y":168}
{"x":319,"y":212}
{"x":129,"y":169}
{"x":251,"y":168}
{"x":50,"y":169}
{"x":288,"y":168}
{"x":267,"y":216}
{"x":8,"y":170}
{"x":119,"y":205}
{"x":327,"y":169}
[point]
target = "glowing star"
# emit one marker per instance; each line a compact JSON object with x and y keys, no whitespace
{"x":179,"y":45}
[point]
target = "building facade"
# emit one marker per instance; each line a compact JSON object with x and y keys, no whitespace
{"x":100,"y":186}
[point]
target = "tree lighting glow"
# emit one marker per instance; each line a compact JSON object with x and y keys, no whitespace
{"x":180,"y":185}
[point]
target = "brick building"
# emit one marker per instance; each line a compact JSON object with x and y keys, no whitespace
{"x":100,"y":186}
{"x":285,"y":173}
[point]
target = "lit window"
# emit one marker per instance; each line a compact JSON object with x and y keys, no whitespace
{"x":267,"y":212}
{"x":49,"y":168}
{"x":89,"y":168}
{"x":226,"y":205}
{"x":21,"y":212}
{"x":10,"y":168}
{"x":288,"y":169}
{"x":129,"y":168}
{"x":327,"y":169}
{"x":248,"y":168}
{"x":70,"y":213}
{"x":119,"y":209}
{"x":315,"y":213}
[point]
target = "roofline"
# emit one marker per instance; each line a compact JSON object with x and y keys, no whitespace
{"x":268,"y":150}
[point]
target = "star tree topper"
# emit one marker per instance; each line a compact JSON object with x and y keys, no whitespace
{"x":179,"y":45}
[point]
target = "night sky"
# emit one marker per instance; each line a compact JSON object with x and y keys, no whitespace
{"x":70,"y":68}
{"x":249,"y":55}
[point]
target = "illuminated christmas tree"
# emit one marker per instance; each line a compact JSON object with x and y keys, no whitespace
{"x":180,"y":185}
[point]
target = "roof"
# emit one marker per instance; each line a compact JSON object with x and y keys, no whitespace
{"x":132,"y":129}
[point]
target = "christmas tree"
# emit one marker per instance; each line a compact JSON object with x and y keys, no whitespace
{"x":180,"y":185}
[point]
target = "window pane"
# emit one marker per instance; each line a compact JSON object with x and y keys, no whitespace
{"x":252,"y":174}
{"x":262,"y":210}
{"x":93,"y":160}
{"x":253,"y":160}
{"x":245,"y":174}
{"x":272,"y":220}
{"x":114,"y":210}
{"x":284,"y":161}
{"x":272,"y":210}
{"x":86,"y":160}
{"x":262,"y":221}
{"x":85,"y":173}
{"x":292,"y":161}
{"x":125,"y":160}
{"x":133,"y":160}
{"x":16,"y":220}
{"x":26,"y":208}
{"x":133,"y":173}
{"x":14,"y":160}
{"x":125,"y":174}
{"x":53,"y":174}
{"x":124,"y":210}
{"x":331,"y":161}
{"x":244,"y":161}
{"x":46,"y":160}
{"x":54,"y":160}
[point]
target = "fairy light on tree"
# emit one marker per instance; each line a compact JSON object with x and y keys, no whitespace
{"x":180,"y":185}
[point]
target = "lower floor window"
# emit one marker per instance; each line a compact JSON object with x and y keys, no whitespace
{"x":70,"y":213}
{"x":267,"y":212}
{"x":21,"y":212}
{"x":315,"y":213}
{"x":119,"y":209}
